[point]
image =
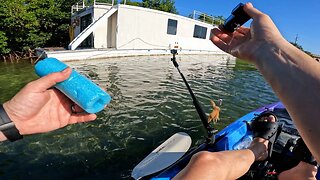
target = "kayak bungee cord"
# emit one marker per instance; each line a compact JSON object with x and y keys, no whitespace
{"x":210,"y":139}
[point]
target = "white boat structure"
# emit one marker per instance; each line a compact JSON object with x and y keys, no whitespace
{"x":102,"y":30}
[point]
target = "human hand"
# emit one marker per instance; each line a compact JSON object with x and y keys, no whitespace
{"x":246,"y":43}
{"x":38,"y":108}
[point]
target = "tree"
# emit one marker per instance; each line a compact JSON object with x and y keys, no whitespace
{"x":205,"y":18}
{"x":18,"y":24}
{"x":27,"y":24}
{"x":211,"y":19}
{"x":128,"y":2}
{"x":3,"y":43}
{"x":297,"y":45}
{"x":219,"y":20}
{"x":102,"y":1}
{"x":161,"y":5}
{"x":301,"y":48}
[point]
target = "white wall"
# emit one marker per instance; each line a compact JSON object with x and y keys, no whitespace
{"x":141,"y":28}
{"x":101,"y":32}
{"x":112,"y":30}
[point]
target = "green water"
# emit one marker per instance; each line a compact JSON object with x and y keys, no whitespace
{"x":14,"y":76}
{"x":150,"y":103}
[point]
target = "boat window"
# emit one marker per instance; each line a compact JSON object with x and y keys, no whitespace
{"x":172,"y":27}
{"x":200,"y":32}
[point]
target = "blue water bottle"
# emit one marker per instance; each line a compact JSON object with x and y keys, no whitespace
{"x":78,"y":88}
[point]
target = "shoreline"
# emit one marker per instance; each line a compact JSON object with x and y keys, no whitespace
{"x":16,"y":56}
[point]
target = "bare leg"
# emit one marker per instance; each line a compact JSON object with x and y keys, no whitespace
{"x":226,"y":164}
{"x":301,"y":171}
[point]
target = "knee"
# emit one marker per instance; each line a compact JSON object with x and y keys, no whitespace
{"x":201,"y":166}
{"x":205,"y":157}
{"x":301,"y":171}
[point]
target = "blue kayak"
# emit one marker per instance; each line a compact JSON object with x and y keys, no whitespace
{"x":237,"y":136}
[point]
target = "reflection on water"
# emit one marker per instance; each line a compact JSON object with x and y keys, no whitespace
{"x":13,"y":77}
{"x":150,"y":103}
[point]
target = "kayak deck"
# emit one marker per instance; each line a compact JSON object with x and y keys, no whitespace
{"x":227,"y":139}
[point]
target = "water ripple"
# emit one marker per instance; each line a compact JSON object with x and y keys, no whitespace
{"x":150,"y":103}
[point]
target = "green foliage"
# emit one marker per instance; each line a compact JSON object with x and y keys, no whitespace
{"x":219,"y":20}
{"x":297,"y":45}
{"x":162,"y":5}
{"x":301,"y":48}
{"x":211,"y":19}
{"x":33,"y":23}
{"x":103,"y":1}
{"x":3,"y":43}
{"x":128,"y":2}
{"x":205,"y":18}
{"x":309,"y":53}
{"x":15,"y":20}
{"x":27,"y":24}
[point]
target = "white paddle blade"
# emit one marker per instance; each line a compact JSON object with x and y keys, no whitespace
{"x":163,"y":156}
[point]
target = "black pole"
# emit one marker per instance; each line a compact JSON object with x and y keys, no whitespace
{"x":204,"y":119}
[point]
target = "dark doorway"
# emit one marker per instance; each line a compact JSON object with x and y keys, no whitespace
{"x":85,"y":22}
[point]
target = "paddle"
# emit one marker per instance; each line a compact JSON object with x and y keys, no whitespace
{"x":163,"y":156}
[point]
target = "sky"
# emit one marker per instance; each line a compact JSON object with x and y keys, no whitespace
{"x":294,"y":18}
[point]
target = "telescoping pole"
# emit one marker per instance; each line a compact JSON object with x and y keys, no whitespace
{"x":204,"y":119}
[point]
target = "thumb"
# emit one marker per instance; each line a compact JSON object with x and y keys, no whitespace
{"x":50,"y":80}
{"x":251,"y":11}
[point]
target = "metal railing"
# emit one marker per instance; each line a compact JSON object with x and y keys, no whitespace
{"x":203,"y":17}
{"x":87,"y":3}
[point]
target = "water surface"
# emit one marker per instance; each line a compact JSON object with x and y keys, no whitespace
{"x":150,"y":103}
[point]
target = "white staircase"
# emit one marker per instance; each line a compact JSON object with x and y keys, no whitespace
{"x":87,"y":31}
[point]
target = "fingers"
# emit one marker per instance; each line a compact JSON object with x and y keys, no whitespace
{"x":226,"y":41}
{"x":50,"y":80}
{"x":251,"y":11}
{"x":221,"y":35}
{"x":76,"y":109}
{"x":243,"y":30}
{"x":80,"y":118}
{"x":220,"y":44}
{"x":220,"y":39}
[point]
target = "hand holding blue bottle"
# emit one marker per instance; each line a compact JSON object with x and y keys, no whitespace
{"x":78,"y":88}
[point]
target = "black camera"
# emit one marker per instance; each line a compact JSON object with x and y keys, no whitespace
{"x":237,"y":18}
{"x":174,"y":51}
